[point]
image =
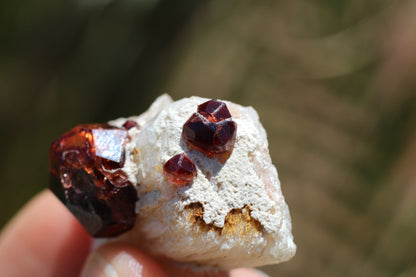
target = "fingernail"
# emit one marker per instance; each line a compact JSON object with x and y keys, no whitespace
{"x":120,"y":265}
{"x":97,"y":266}
{"x":260,"y":273}
{"x":247,"y":272}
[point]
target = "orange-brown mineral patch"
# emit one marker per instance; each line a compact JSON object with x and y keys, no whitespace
{"x":237,"y":221}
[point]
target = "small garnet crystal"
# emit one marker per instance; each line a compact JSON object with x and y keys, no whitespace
{"x":86,"y":176}
{"x":130,"y":124}
{"x":211,"y":129}
{"x":179,"y":169}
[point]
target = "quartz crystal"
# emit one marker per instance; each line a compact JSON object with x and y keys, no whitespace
{"x":86,"y":176}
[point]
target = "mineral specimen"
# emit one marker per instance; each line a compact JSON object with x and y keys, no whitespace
{"x":195,"y":175}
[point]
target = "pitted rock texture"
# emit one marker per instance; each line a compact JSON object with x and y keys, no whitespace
{"x":233,"y":212}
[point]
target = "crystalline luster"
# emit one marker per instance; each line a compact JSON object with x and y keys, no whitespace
{"x":210,"y":130}
{"x":86,"y":177}
{"x":108,"y":144}
{"x":214,"y":110}
{"x":179,"y":169}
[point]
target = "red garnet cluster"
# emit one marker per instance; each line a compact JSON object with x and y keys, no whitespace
{"x":210,"y":129}
{"x":86,"y":166}
{"x":86,"y":176}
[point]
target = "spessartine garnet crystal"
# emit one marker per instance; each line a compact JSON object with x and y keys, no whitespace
{"x":210,"y":129}
{"x":86,"y":176}
{"x":179,"y":170}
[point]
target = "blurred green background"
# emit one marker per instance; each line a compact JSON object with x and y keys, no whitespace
{"x":334,"y":83}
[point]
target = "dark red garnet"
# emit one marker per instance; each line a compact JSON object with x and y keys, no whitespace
{"x":86,"y":176}
{"x":179,"y":169}
{"x":130,"y":124}
{"x":210,"y":130}
{"x":214,"y":110}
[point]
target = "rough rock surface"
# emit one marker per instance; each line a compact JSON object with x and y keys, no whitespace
{"x":233,"y":214}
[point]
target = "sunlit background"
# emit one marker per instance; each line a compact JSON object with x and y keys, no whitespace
{"x":334,"y":83}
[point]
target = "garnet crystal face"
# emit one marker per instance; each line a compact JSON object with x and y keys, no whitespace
{"x":211,"y":129}
{"x":214,"y":110}
{"x":86,"y":176}
{"x":179,"y":169}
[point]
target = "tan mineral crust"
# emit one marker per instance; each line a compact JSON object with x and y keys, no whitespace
{"x":233,"y":214}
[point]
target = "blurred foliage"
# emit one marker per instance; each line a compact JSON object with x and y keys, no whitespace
{"x":334,"y":83}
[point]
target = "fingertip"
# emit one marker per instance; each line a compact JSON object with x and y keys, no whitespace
{"x":43,"y":239}
{"x":119,"y":259}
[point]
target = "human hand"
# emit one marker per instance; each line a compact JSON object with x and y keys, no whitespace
{"x":45,"y":240}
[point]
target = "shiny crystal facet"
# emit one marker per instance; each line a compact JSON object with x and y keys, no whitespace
{"x":179,"y":169}
{"x":109,"y":144}
{"x":86,"y":176}
{"x":214,"y":110}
